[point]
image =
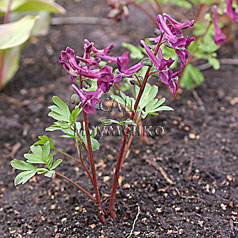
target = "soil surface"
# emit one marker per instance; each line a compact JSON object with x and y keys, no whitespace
{"x":185,"y":184}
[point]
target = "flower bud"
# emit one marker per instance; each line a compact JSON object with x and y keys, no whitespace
{"x":157,"y":32}
{"x":75,"y":99}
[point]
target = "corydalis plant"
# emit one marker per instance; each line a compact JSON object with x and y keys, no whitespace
{"x":92,"y":77}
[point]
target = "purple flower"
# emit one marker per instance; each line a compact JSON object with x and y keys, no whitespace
{"x":69,"y":62}
{"x":130,"y":71}
{"x":90,"y":62}
{"x":170,"y":79}
{"x":118,"y":9}
{"x":174,"y":36}
{"x":123,"y":62}
{"x":88,"y":99}
{"x":165,"y":29}
{"x":160,"y":63}
{"x":68,"y":56}
{"x":90,"y":46}
{"x":178,"y":25}
{"x":219,"y":38}
{"x":231,"y":11}
{"x":166,"y":75}
{"x":106,"y":75}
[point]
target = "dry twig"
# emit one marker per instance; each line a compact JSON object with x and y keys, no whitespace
{"x":133,"y":225}
{"x":80,"y":20}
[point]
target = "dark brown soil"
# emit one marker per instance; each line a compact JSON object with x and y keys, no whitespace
{"x":185,"y":183}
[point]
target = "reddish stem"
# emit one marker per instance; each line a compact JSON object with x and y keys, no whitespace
{"x":81,"y":161}
{"x":140,"y":7}
{"x":138,"y":80}
{"x":159,"y":10}
{"x":76,"y":185}
{"x":94,"y":177}
{"x":125,"y":137}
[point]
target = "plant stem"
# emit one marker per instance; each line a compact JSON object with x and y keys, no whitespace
{"x":94,"y":177}
{"x":76,"y":185}
{"x":79,"y":150}
{"x":159,"y":10}
{"x":5,"y":21}
{"x":71,"y":157}
{"x":193,"y":53}
{"x":83,"y":144}
{"x":125,"y":137}
{"x":140,"y":7}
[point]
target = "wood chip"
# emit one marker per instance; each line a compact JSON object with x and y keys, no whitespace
{"x":126,"y":186}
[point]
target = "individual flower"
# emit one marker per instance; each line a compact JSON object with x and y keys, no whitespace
{"x":179,"y":25}
{"x":166,"y":75}
{"x":69,"y":62}
{"x":160,"y":63}
{"x":90,"y":46}
{"x":167,"y":33}
{"x":231,"y":11}
{"x":88,"y":99}
{"x":219,"y":38}
{"x":91,"y":63}
{"x":170,"y":79}
{"x":123,"y":62}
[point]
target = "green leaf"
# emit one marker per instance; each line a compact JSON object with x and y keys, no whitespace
{"x":129,"y":122}
{"x":186,"y":80}
{"x":22,"y":165}
{"x":16,"y":33}
{"x":154,"y":106}
{"x":23,"y":177}
{"x":39,"y":154}
{"x":35,"y":156}
{"x":95,"y":144}
{"x":43,"y":140}
{"x":149,"y":93}
{"x":165,"y":108}
{"x":135,"y":52}
{"x":93,"y":87}
{"x":42,"y":25}
{"x":191,"y":74}
{"x":56,"y":164}
{"x":49,"y":173}
{"x":31,"y":5}
{"x":49,"y":161}
{"x":45,"y":151}
{"x":74,"y":115}
{"x":60,"y":112}
{"x":183,"y":4}
{"x":11,"y":63}
{"x":196,"y":74}
{"x":107,"y":122}
{"x":41,"y":170}
{"x":199,"y":28}
{"x":59,"y":125}
{"x":214,"y":62}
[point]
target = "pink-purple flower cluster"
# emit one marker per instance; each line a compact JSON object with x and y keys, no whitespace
{"x":231,"y":11}
{"x":118,"y":9}
{"x":172,"y":34}
{"x":89,"y":67}
{"x":220,"y":37}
